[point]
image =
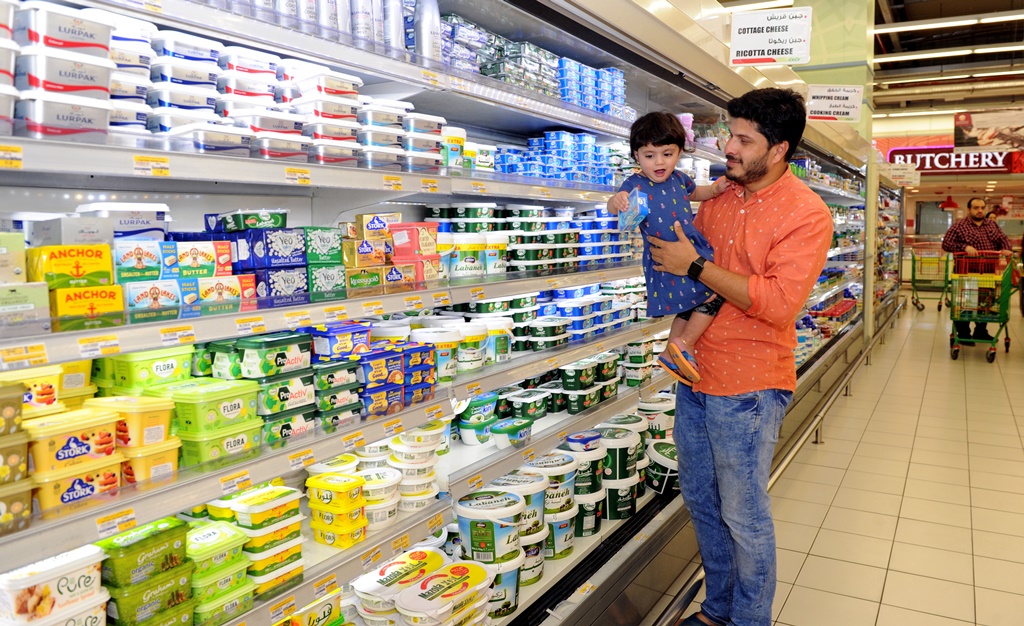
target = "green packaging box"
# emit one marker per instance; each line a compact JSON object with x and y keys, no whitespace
{"x":323,"y":245}
{"x":326,"y":282}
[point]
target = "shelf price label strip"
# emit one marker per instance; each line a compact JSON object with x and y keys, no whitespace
{"x":25,"y":356}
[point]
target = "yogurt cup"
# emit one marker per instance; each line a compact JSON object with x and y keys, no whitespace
{"x":505,"y":591}
{"x":631,"y":422}
{"x":476,"y":433}
{"x":620,"y":497}
{"x":480,"y":408}
{"x":623,"y":446}
{"x":531,"y":487}
{"x":412,"y":503}
{"x":641,"y":470}
{"x":562,"y":532}
{"x":588,"y":521}
{"x":378,"y":588}
{"x":560,"y":470}
{"x":381,"y":483}
{"x":383,"y":513}
{"x":663,"y":472}
{"x":489,"y":523}
{"x":532,"y":570}
{"x":590,"y":469}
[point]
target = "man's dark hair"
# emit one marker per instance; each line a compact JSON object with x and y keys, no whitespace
{"x":778,"y":114}
{"x":972,"y":200}
{"x":656,"y":129}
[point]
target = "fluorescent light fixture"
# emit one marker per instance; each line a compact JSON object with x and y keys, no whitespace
{"x":926,"y":80}
{"x":879,"y":115}
{"x":993,"y":49}
{"x":758,"y":5}
{"x":991,"y":182}
{"x":923,"y":113}
{"x":903,"y":27}
{"x":1008,"y":16}
{"x":1005,"y":73}
{"x":916,"y":56}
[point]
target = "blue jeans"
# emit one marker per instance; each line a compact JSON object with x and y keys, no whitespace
{"x":725,"y":446}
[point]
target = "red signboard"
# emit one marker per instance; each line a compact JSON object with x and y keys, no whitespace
{"x":941,"y":160}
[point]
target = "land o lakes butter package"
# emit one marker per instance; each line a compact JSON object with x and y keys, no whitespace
{"x":85,"y":308}
{"x":154,"y":300}
{"x":140,"y":260}
{"x":204,"y":259}
{"x":225,"y":294}
{"x":86,"y":265}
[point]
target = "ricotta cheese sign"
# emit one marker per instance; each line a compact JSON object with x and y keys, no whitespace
{"x":771,"y":37}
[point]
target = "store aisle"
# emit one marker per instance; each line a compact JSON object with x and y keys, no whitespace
{"x":912,"y":511}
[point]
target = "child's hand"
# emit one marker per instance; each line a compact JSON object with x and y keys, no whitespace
{"x":720,"y":185}
{"x":618,"y":203}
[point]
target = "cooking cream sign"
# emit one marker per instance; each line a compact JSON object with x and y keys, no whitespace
{"x":837,"y":103}
{"x":771,"y":37}
{"x":942,"y":160}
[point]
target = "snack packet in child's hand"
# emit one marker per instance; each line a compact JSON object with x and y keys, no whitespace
{"x":635,"y":213}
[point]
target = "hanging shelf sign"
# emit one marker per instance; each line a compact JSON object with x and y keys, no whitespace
{"x":835,"y":103}
{"x":771,"y":37}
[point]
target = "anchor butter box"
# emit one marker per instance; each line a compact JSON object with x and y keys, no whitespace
{"x":70,"y":266}
{"x":84,"y":308}
{"x":203,"y":259}
{"x":141,"y":260}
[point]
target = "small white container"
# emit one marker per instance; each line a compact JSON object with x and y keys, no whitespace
{"x":328,"y":83}
{"x":53,"y":70}
{"x":45,"y":115}
{"x":422,"y":123}
{"x":377,"y":115}
{"x":210,"y":139}
{"x":422,"y":142}
{"x":8,"y":54}
{"x":413,"y":470}
{"x":82,"y":566}
{"x":129,"y":114}
{"x":238,"y":83}
{"x":430,"y":434}
{"x":164,"y":119}
{"x":410,"y":453}
{"x":417,"y":502}
{"x":375,"y":157}
{"x":249,"y":61}
{"x":327,"y":108}
{"x":8,"y":98}
{"x":378,"y":619}
{"x":130,"y":87}
{"x":183,"y":97}
{"x":331,"y":152}
{"x":61,"y":27}
{"x":341,"y":464}
{"x":377,"y":137}
{"x":381,"y":483}
{"x":375,"y":448}
{"x":275,"y":121}
{"x":280,"y":147}
{"x":185,"y":46}
{"x":418,"y":485}
{"x":184,"y":72}
{"x":335,"y":130}
{"x":292,"y":69}
{"x":382,"y":514}
{"x":230,"y":105}
{"x":134,"y":60}
{"x":7,"y":10}
{"x":374,"y":462}
{"x":127,"y":30}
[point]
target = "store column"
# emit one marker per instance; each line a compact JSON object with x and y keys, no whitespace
{"x":842,"y":50}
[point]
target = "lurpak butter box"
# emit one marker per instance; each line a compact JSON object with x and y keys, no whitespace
{"x":203,"y":259}
{"x":136,"y":260}
{"x":70,"y":266}
{"x":376,"y":225}
{"x":24,"y":309}
{"x":85,"y":308}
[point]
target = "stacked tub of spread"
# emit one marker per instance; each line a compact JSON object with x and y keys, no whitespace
{"x":143,"y":435}
{"x":16,"y":392}
{"x":662,"y":475}
{"x":39,"y":593}
{"x":75,"y":384}
{"x":413,"y":455}
{"x":624,"y":448}
{"x":80,"y":281}
{"x":269,"y":519}
{"x":560,"y":507}
{"x":586,"y":448}
{"x":327,"y":102}
{"x":148,"y":574}
{"x":338,"y":606}
{"x":660,"y":413}
{"x":631,"y":292}
{"x":415,"y":243}
{"x":533,"y":530}
{"x":378,"y":589}
{"x":337,"y":509}
{"x":637,"y":363}
{"x":490,"y":529}
{"x":381,"y":134}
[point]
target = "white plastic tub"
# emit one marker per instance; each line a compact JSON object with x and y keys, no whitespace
{"x":377,"y":137}
{"x":422,"y":123}
{"x":80,"y":567}
{"x":249,"y":61}
{"x":130,"y":87}
{"x":45,"y":115}
{"x":422,"y":162}
{"x":382,"y":514}
{"x":413,"y":469}
{"x":8,"y":54}
{"x":189,"y":47}
{"x":132,"y":59}
{"x":8,"y":98}
{"x":416,"y":485}
{"x":280,"y":147}
{"x":292,"y":69}
{"x":377,"y":115}
{"x":210,"y":139}
{"x":331,"y":152}
{"x":375,"y":157}
{"x":335,"y":130}
{"x":417,"y":502}
{"x":381,"y":483}
{"x":327,"y":108}
{"x":127,"y":30}
{"x":184,"y":97}
{"x":183,"y":72}
{"x":231,"y":105}
{"x":58,"y":71}
{"x":409,"y":453}
{"x":274,"y":121}
{"x":61,"y":27}
{"x":164,"y":119}
{"x":328,"y":83}
{"x":245,"y":84}
{"x":7,"y":9}
{"x":422,"y":142}
{"x":129,"y":114}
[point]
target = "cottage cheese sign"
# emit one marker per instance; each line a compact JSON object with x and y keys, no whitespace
{"x":771,"y":37}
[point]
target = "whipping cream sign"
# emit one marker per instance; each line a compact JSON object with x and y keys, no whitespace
{"x":942,"y":160}
{"x":834,"y":103}
{"x":771,"y":37}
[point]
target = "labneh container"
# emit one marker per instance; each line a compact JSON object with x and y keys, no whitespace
{"x":44,"y":115}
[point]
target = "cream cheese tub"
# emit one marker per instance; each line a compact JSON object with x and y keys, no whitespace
{"x":532,"y":570}
{"x":636,"y":374}
{"x":531,"y":487}
{"x":61,"y":583}
{"x":383,"y":513}
{"x":590,"y":469}
{"x":446,"y":592}
{"x":417,"y":485}
{"x":412,"y":469}
{"x":641,"y":470}
{"x":588,"y":521}
{"x":61,"y":27}
{"x":530,"y":404}
{"x":489,"y":524}
{"x":584,"y":440}
{"x":341,"y":464}
{"x":635,"y":423}
{"x":560,"y":470}
{"x":620,"y":497}
{"x":505,"y":598}
{"x":663,"y":472}
{"x":660,"y":413}
{"x":623,"y":450}
{"x":562,"y":533}
{"x":417,"y":502}
{"x":378,"y":588}
{"x":476,"y":433}
{"x":381,"y":483}
{"x":46,"y":115}
{"x":56,"y":70}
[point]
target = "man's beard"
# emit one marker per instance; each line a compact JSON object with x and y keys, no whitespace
{"x":755,"y":171}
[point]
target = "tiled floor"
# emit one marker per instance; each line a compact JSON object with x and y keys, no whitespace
{"x":912,"y":511}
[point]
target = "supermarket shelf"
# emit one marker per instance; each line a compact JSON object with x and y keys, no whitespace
{"x":504,"y":186}
{"x":832,"y":193}
{"x":337,"y":567}
{"x":715,"y":156}
{"x":815,"y":300}
{"x":518,"y":368}
{"x":507,"y":285}
{"x":834,"y":252}
{"x":857,"y":265}
{"x":479,"y":465}
{"x":148,"y":502}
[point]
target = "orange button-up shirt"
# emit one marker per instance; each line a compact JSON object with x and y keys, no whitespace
{"x":779,"y":237}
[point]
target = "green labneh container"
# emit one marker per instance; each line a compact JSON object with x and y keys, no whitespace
{"x":523,"y":302}
{"x":274,"y":354}
{"x":609,"y":389}
{"x":530,"y":404}
{"x":285,"y":392}
{"x":579,"y":375}
{"x":549,"y":326}
{"x":472,"y":210}
{"x":549,"y":342}
{"x":557,"y":401}
{"x":141,"y":553}
{"x":579,"y":401}
{"x":607,"y":366}
{"x":521,"y":316}
{"x":137,"y":603}
{"x":496,"y":305}
{"x":334,"y":374}
{"x":640,"y":351}
{"x":538,"y":252}
{"x":248,"y":219}
{"x":504,"y":407}
{"x":525,"y":224}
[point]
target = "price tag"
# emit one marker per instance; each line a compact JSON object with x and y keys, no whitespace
{"x":428,"y":185}
{"x":646,"y":332}
{"x":371,"y":558}
{"x":336,"y":313}
{"x":599,"y":347}
{"x":434,"y":412}
{"x":585,"y":195}
{"x":177,"y":335}
{"x":642,"y":537}
{"x":552,"y":362}
{"x":250,"y":325}
{"x":393,"y":427}
{"x":110,"y":525}
{"x":528,"y":455}
{"x":478,"y":187}
{"x":151,"y":166}
{"x":458,"y":84}
{"x":21,"y":357}
{"x":442,"y":299}
{"x":297,"y":176}
{"x":235,"y":482}
{"x":473,"y":389}
{"x":476,"y":482}
{"x":282,"y":609}
{"x":153,"y":6}
{"x":301,"y":459}
{"x":352,"y":441}
{"x":393,"y":183}
{"x":476,"y":293}
{"x":435,"y":523}
{"x":10,"y":157}
{"x":325,"y":586}
{"x":294,"y":319}
{"x":552,"y":283}
{"x":373,"y":308}
{"x":413,"y":303}
{"x":544,"y":192}
{"x":96,"y":347}
{"x":431,"y":78}
{"x":402,"y":543}
{"x":562,"y":436}
{"x":586,"y":589}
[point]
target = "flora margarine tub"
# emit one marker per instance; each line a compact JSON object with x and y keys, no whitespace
{"x":489,"y":524}
{"x":214,"y":545}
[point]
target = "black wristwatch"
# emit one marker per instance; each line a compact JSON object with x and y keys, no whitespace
{"x":696,"y":268}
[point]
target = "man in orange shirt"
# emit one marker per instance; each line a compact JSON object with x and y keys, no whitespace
{"x":771,"y":235}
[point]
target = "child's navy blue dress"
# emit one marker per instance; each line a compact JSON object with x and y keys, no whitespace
{"x":668,"y":202}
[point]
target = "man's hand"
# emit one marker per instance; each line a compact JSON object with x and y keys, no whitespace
{"x":673,"y":257}
{"x":1006,"y":252}
{"x":971,"y":250}
{"x":618,"y":203}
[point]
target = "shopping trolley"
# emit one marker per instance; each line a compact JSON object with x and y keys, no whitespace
{"x":929,"y":269}
{"x":980,"y":287}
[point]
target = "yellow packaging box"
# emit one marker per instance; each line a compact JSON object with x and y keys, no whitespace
{"x":376,"y":225}
{"x":61,"y":267}
{"x":82,"y":308}
{"x":364,"y":252}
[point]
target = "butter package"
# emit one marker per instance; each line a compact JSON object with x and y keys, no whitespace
{"x":399,"y":277}
{"x":85,"y":308}
{"x":323,"y":245}
{"x":226,"y":294}
{"x":282,"y":286}
{"x":154,"y":300}
{"x":69,"y":231}
{"x":24,"y":309}
{"x":203,"y":259}
{"x":386,"y":400}
{"x":326,"y":282}
{"x":138,"y":225}
{"x":12,"y":258}
{"x":60,"y":267}
{"x":348,"y":230}
{"x":363,"y":252}
{"x":376,"y":225}
{"x":365,"y":280}
{"x":269,"y":248}
{"x":247,"y":219}
{"x":141,"y":260}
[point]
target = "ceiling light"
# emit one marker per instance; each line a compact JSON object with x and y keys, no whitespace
{"x":915,"y":56}
{"x":1006,"y":73}
{"x":919,"y":113}
{"x":991,"y":182}
{"x":757,"y":5}
{"x":1009,"y":16}
{"x":903,"y":27}
{"x":879,"y":115}
{"x":926,"y":80}
{"x":996,"y":48}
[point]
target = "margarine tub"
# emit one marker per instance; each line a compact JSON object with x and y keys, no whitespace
{"x":340,"y":539}
{"x":620,"y":497}
{"x":214,"y":545}
{"x":623,"y":446}
{"x":64,"y":440}
{"x":276,"y":559}
{"x":266,"y":507}
{"x":92,"y":613}
{"x":275,"y":354}
{"x":411,"y":453}
{"x":339,"y":490}
{"x":211,"y":445}
{"x":269,"y":537}
{"x":448,"y":590}
{"x":340,"y":518}
{"x":137,"y":555}
{"x":381,"y":484}
{"x":223,"y":608}
{"x":378,"y":588}
{"x":38,"y":389}
{"x":322,"y":612}
{"x":138,"y":603}
{"x":75,"y":400}
{"x":410,"y":503}
{"x":341,"y":464}
{"x":413,"y":469}
{"x":531,"y":488}
{"x":383,"y":513}
{"x":143,"y":421}
{"x":220,"y":581}
{"x":562,"y":531}
{"x":590,"y":470}
{"x":214,"y":406}
{"x":60,"y":71}
{"x":505,"y":592}
{"x":489,"y":524}
{"x":61,"y":27}
{"x":635,"y":423}
{"x":560,"y":469}
{"x":152,"y":367}
{"x":430,"y":434}
{"x":144,"y":463}
{"x":43,"y":581}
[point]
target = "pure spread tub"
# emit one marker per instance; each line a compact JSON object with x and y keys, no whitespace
{"x":52,"y":586}
{"x":139,"y":554}
{"x":531,"y":487}
{"x":489,"y":524}
{"x":623,"y":449}
{"x":560,"y":469}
